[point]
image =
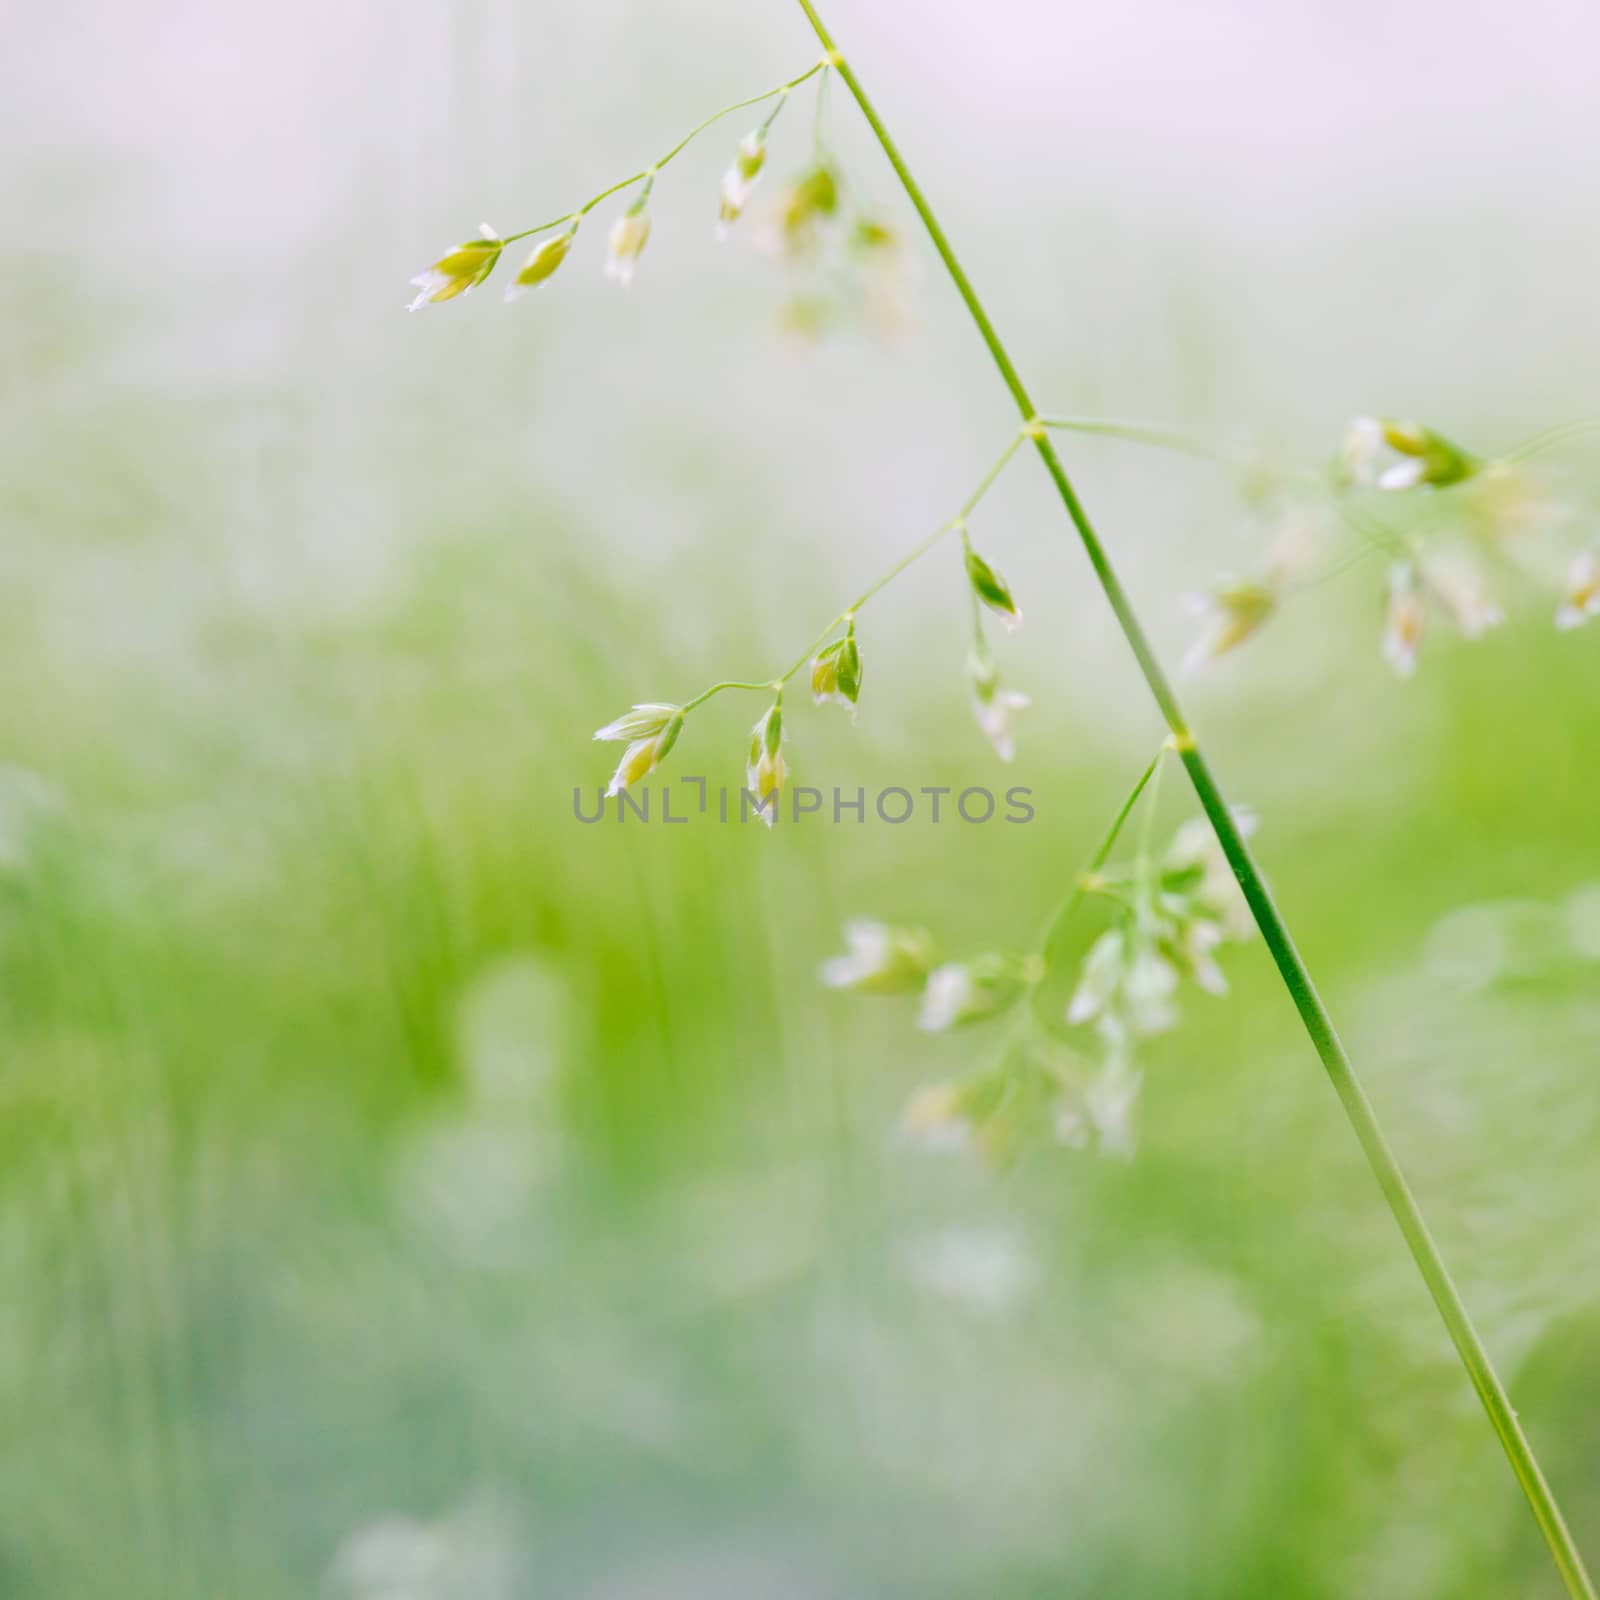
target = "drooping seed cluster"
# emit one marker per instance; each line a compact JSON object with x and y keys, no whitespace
{"x":650,"y":729}
{"x":843,"y":254}
{"x":1068,"y":1074}
{"x":1461,"y":537}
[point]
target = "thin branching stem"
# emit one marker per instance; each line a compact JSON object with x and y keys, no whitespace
{"x":1063,"y":914}
{"x":729,"y":683}
{"x":1376,"y":534}
{"x":1139,"y":433}
{"x":1291,"y":965}
{"x":914,"y":554}
{"x":647,"y":174}
{"x":1550,"y":438}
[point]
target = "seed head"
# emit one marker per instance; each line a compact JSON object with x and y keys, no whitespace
{"x":740,"y":178}
{"x":1127,"y":983}
{"x":766,"y":771}
{"x":991,"y":589}
{"x":804,"y":206}
{"x":836,"y":672}
{"x":971,"y":991}
{"x":1233,"y":610}
{"x":876,"y":247}
{"x":542,"y":262}
{"x":872,"y":237}
{"x":459,"y":271}
{"x":639,"y":722}
{"x":651,"y":731}
{"x":1195,"y":871}
{"x":1404,"y":620}
{"x":1098,"y":981}
{"x":1582,"y":597}
{"x":992,"y":705}
{"x":630,"y":233}
{"x":1111,"y":1103}
{"x":1392,"y":454}
{"x":879,"y":959}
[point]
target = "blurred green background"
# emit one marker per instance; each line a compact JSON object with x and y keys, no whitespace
{"x":407,"y":1192}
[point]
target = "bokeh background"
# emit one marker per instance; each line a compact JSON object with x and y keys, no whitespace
{"x":407,"y":1192}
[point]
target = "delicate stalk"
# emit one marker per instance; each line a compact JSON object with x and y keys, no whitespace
{"x":1138,"y":433}
{"x":915,"y":553}
{"x":1084,"y":882}
{"x":1291,"y":966}
{"x":1550,"y":438}
{"x":647,"y":174}
{"x":819,"y":148}
{"x":730,"y":683}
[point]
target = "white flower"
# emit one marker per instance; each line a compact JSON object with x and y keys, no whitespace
{"x":1147,"y":982}
{"x":947,"y":998}
{"x":879,"y":959}
{"x":969,"y":991}
{"x":836,"y":672}
{"x":1195,"y":844}
{"x":1233,"y":610}
{"x":735,"y":196}
{"x":651,"y":729}
{"x":740,"y":179}
{"x":459,"y":271}
{"x":1404,"y":620}
{"x":1199,"y":939}
{"x":630,"y":233}
{"x":1390,"y":454}
{"x":994,"y":718}
{"x":1111,"y":1101}
{"x":1130,"y":975}
{"x":804,"y":208}
{"x":1404,"y":474}
{"x":1102,"y":972}
{"x":542,"y":262}
{"x":639,"y":722}
{"x":993,"y":705}
{"x":1582,"y":598}
{"x":766,"y":771}
{"x":1365,"y":454}
{"x":640,"y":759}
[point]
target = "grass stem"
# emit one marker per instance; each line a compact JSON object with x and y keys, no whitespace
{"x":1291,"y":965}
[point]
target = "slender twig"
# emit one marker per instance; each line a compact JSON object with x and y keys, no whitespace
{"x":1139,"y":433}
{"x":1085,"y":881}
{"x":1291,"y":965}
{"x":728,"y":683}
{"x":1550,"y":438}
{"x":914,"y":554}
{"x":647,"y":174}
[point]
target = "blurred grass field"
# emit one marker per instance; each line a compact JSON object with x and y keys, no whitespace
{"x":408,"y":1192}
